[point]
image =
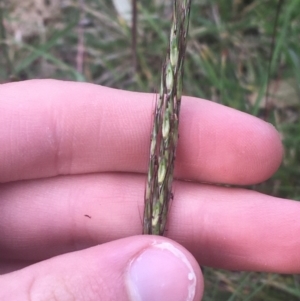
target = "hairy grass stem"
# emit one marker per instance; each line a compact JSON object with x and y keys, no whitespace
{"x":164,"y":137}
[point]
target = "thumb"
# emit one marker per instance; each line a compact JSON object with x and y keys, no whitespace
{"x":138,"y":268}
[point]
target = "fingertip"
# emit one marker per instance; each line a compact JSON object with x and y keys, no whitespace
{"x":228,"y":146}
{"x":271,"y":150}
{"x":164,"y":271}
{"x":264,"y":143}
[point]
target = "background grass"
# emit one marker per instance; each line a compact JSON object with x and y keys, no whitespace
{"x":227,"y":61}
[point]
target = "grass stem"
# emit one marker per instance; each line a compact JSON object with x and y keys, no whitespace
{"x":164,"y":137}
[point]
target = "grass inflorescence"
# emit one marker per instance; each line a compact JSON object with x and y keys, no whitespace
{"x":164,"y":135}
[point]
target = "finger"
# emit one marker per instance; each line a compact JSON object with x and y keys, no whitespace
{"x":50,"y":128}
{"x":136,"y":268}
{"x":222,"y":227}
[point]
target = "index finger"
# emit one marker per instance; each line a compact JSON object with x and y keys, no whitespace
{"x":50,"y":128}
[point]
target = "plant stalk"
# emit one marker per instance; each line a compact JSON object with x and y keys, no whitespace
{"x":164,"y":136}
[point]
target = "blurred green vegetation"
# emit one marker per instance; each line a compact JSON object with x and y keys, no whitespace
{"x":228,"y":61}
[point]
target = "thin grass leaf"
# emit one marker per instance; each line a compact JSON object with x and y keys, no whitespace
{"x":59,"y":63}
{"x":44,"y":48}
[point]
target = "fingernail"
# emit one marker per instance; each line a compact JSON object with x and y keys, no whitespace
{"x":161,"y":272}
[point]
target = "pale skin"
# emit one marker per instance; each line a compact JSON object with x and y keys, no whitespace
{"x":83,"y":151}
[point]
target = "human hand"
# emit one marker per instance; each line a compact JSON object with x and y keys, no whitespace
{"x":73,"y":159}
